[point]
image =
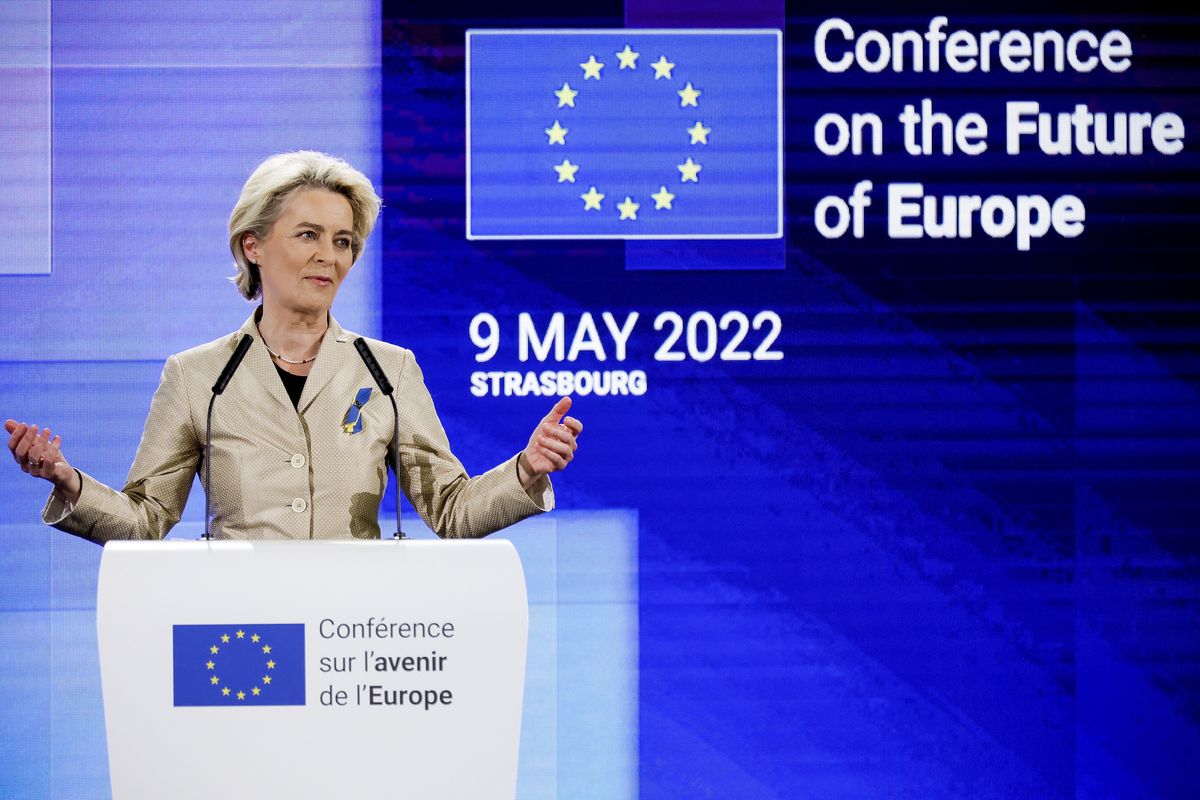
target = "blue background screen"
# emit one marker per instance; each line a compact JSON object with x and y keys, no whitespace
{"x":854,"y":515}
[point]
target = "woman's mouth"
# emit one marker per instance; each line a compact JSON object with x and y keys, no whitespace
{"x":317,"y":280}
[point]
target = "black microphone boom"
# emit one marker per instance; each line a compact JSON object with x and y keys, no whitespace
{"x":360,"y":344}
{"x":222,"y":381}
{"x":385,"y":386}
{"x":232,"y":364}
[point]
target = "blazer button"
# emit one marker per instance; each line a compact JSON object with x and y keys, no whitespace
{"x":299,"y":504}
{"x":298,"y":461}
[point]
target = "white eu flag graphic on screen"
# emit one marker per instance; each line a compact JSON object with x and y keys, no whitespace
{"x":624,"y":134}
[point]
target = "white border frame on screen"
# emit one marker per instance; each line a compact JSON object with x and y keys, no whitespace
{"x":625,"y":32}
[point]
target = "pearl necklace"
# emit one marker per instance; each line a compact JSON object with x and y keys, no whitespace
{"x":283,"y":358}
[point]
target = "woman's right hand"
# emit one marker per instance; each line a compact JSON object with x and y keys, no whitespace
{"x":41,"y":456}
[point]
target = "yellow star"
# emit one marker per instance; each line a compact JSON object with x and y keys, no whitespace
{"x":662,"y":68}
{"x":225,"y":691}
{"x":591,"y":68}
{"x":699,"y":133}
{"x":241,"y":695}
{"x":662,"y":198}
{"x":241,"y":634}
{"x":225,"y":638}
{"x":628,"y":58}
{"x":210,"y":664}
{"x":566,"y":171}
{"x":214,"y":680}
{"x":213,"y":649}
{"x":566,"y":95}
{"x":256,"y":691}
{"x":270,"y":665}
{"x":266,"y":678}
{"x":267,"y":647}
{"x":557,"y":134}
{"x":689,"y":171}
{"x":591,"y":199}
{"x":687,"y":96}
{"x":628,"y":208}
{"x":254,"y":638}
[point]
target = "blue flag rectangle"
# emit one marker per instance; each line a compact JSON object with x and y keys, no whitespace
{"x":239,"y":665}
{"x":624,"y":134}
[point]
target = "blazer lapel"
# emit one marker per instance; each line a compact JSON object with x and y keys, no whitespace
{"x":332,"y":356}
{"x":258,"y":363}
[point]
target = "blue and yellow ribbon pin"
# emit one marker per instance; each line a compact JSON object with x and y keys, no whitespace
{"x":352,"y":422}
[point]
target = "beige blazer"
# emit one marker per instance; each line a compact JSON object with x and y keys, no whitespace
{"x":280,"y":472}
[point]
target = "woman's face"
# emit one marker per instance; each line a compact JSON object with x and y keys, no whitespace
{"x":307,"y":253}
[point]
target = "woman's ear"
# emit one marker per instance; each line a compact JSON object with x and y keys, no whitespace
{"x":250,"y":247}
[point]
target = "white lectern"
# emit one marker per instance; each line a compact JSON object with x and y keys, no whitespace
{"x":312,"y":669}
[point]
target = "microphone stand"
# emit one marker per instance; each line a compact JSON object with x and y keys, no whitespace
{"x":385,"y":386}
{"x":218,"y":388}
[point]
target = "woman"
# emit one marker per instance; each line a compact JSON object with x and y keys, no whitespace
{"x":301,"y":437}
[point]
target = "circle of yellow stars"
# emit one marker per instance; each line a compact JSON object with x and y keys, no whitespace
{"x":689,"y":97}
{"x":240,"y":693}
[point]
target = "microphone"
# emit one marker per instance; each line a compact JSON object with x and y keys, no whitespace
{"x":218,"y":388}
{"x":385,"y":386}
{"x":232,"y":364}
{"x":360,"y":344}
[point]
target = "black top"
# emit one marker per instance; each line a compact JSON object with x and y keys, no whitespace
{"x":293,"y":383}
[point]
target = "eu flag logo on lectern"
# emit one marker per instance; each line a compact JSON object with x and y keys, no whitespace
{"x":624,"y":134}
{"x":239,"y":665}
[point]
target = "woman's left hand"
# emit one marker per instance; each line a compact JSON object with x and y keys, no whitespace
{"x":552,"y":445}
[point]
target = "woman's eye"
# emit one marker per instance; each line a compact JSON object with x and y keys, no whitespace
{"x":343,"y":242}
{"x":309,"y":234}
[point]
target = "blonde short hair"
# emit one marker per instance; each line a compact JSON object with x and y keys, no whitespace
{"x":270,"y":185}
